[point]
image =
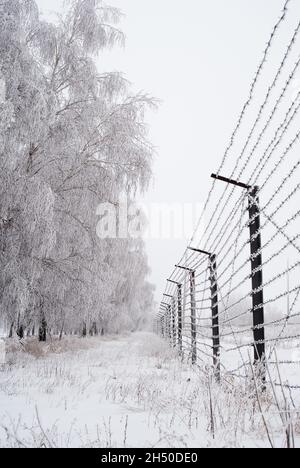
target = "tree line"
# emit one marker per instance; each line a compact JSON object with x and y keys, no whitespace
{"x":70,"y":138}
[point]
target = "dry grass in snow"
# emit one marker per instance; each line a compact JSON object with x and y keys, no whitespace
{"x":130,"y":391}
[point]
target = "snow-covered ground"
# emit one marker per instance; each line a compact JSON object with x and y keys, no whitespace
{"x":237,"y":352}
{"x":129,"y":391}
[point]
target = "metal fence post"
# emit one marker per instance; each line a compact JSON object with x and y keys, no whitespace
{"x":169,"y":323}
{"x":161,"y":318}
{"x":161,"y":326}
{"x":168,"y":331}
{"x":171,"y":309}
{"x":179,"y":314}
{"x":193,"y":316}
{"x":215,"y":316}
{"x":192,"y":278}
{"x":257,"y":279}
{"x":256,"y":272}
{"x":165,"y":325}
{"x":179,"y":311}
{"x":214,"y":310}
{"x":174,"y":340}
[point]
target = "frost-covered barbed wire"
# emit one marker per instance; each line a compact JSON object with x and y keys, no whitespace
{"x":269,"y":161}
{"x":220,"y":206}
{"x":247,"y":103}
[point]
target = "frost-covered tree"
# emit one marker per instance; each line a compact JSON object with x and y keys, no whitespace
{"x":71,"y":138}
{"x":27,"y":230}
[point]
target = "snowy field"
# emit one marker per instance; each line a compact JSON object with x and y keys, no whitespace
{"x":236,"y":350}
{"x":128,"y":391}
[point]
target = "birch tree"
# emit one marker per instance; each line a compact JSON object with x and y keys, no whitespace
{"x":72,"y":137}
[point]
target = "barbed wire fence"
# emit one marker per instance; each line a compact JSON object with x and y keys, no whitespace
{"x":234,"y":296}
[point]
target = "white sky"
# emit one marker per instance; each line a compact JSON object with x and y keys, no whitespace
{"x":199,"y":58}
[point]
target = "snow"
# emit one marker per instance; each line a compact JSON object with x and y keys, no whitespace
{"x":72,"y":139}
{"x":285,"y":353}
{"x":121,"y":391}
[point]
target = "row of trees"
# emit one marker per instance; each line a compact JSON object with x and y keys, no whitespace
{"x":70,"y":138}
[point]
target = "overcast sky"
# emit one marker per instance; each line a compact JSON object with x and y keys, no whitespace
{"x":199,"y":58}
